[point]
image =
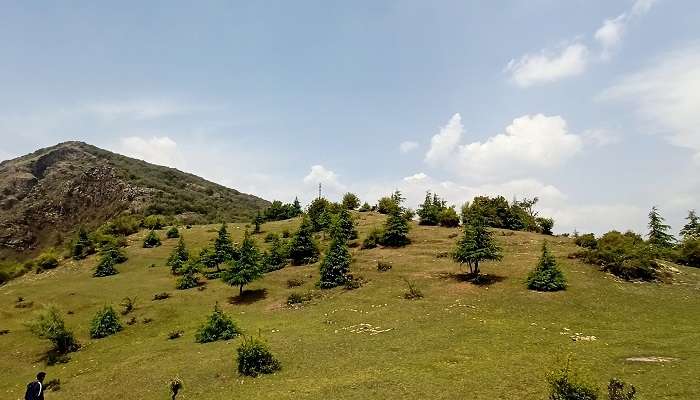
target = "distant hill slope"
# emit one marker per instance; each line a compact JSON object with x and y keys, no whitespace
{"x":47,"y":194}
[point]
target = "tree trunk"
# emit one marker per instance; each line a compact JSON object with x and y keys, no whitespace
{"x":476,"y":268}
{"x":240,"y":293}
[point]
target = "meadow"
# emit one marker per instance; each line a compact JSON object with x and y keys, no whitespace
{"x":460,"y":341}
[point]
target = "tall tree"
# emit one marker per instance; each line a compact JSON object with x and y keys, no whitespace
{"x":318,"y":214}
{"x":296,"y":207}
{"x":658,"y":231}
{"x":342,"y":224}
{"x":350,"y":201}
{"x":395,"y":230}
{"x":248,"y":266}
{"x":178,"y":257}
{"x":223,"y":247}
{"x":302,"y":248}
{"x":691,"y":230}
{"x":476,"y":245}
{"x":336,"y":263}
{"x":546,"y":277}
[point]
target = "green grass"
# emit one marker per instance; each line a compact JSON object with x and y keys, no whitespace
{"x":459,"y":341}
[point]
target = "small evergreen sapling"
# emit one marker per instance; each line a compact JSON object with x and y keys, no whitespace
{"x":276,"y":257}
{"x":178,"y":257}
{"x":255,"y":358}
{"x":151,"y":240}
{"x":105,"y":267}
{"x":172,"y":233}
{"x":247,"y":268}
{"x":83,"y":246}
{"x":335,"y":266}
{"x":302,"y":248}
{"x":105,"y":323}
{"x":691,"y":230}
{"x":658,"y":230}
{"x":218,"y":326}
{"x":546,"y":277}
{"x":223,"y":247}
{"x":395,"y":231}
{"x":189,"y":276}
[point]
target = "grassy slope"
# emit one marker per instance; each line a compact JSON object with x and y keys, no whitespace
{"x":460,"y":341}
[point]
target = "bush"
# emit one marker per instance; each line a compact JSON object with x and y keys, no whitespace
{"x":105,"y":323}
{"x":545,"y":225}
{"x":449,"y":218}
{"x":563,"y":387}
{"x":546,"y":277}
{"x":374,"y":237}
{"x":383,"y":266}
{"x":123,"y":225}
{"x":83,"y":246}
{"x":689,"y":252}
{"x":128,"y":305}
{"x":189,"y":278}
{"x":47,"y":260}
{"x":254,"y":358}
{"x":161,"y":296}
{"x":617,"y":390}
{"x":117,"y":254}
{"x":218,"y":326}
{"x":151,"y":240}
{"x":155,"y":222}
{"x":105,"y":267}
{"x":623,"y":255}
{"x":175,"y":334}
{"x":365,"y":207}
{"x":271,"y":237}
{"x":350,"y":201}
{"x":172,"y":233}
{"x":413,"y":293}
{"x":294,"y":282}
{"x":588,"y":241}
{"x":49,"y":325}
{"x":276,"y":257}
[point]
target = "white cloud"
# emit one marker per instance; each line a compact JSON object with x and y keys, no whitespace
{"x":529,"y":141}
{"x":548,"y":66}
{"x":408,"y":146}
{"x":418,"y":177}
{"x":156,"y":150}
{"x":610,"y":34}
{"x":667,"y":95}
{"x":642,"y":6}
{"x":329,"y":179}
{"x":601,"y":137}
{"x":442,"y":144}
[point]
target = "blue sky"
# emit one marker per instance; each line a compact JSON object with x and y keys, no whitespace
{"x":593,"y":106}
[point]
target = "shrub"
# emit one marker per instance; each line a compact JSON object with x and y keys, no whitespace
{"x":276,"y":257}
{"x":624,"y":255}
{"x":151,"y":240}
{"x":413,"y":293}
{"x":588,"y":241}
{"x":128,"y":305}
{"x":383,"y":266}
{"x":545,"y":225}
{"x":117,"y":254}
{"x":271,"y":237}
{"x":49,"y":325}
{"x":175,"y":385}
{"x":617,"y":390}
{"x":365,"y":207}
{"x":105,"y":323}
{"x":161,"y":296}
{"x":123,"y":225}
{"x":449,"y":218}
{"x":285,"y":233}
{"x":564,"y":387}
{"x":175,"y":334}
{"x":354,"y":283}
{"x":218,"y":326}
{"x":154,"y":222}
{"x":294,"y":282}
{"x":105,"y":267}
{"x":374,"y":237}
{"x":47,"y":260}
{"x":254,"y":358}
{"x":546,"y":277}
{"x":172,"y":233}
{"x":689,"y":252}
{"x":395,"y":232}
{"x":83,"y":245}
{"x":302,"y":248}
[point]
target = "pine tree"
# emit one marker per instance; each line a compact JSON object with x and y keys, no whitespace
{"x":178,"y":257}
{"x":303,"y":249}
{"x":296,"y":206}
{"x":83,"y":247}
{"x":546,"y":277}
{"x":105,"y":323}
{"x":318,"y":214}
{"x":218,"y":326}
{"x":658,"y":231}
{"x":105,"y":267}
{"x":691,"y":230}
{"x":475,"y":246}
{"x":257,"y":222}
{"x":189,"y":275}
{"x":223,"y":247}
{"x":247,"y":267}
{"x":343,"y":225}
{"x":151,"y":240}
{"x":276,"y":257}
{"x":336,"y":263}
{"x":395,"y":231}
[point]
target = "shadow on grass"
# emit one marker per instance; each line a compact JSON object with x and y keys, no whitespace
{"x":249,"y":297}
{"x":474,"y":279}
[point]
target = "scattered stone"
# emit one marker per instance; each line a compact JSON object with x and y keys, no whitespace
{"x":652,"y":359}
{"x":366,"y":328}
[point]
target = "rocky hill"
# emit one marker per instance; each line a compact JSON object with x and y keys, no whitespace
{"x":45,"y":195}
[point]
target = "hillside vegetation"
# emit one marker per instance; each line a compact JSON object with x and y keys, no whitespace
{"x":74,"y":183}
{"x":492,"y":338}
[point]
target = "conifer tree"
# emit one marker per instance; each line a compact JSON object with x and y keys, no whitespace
{"x":296,"y":207}
{"x":189,"y":275}
{"x":151,"y":240}
{"x":276,"y":257}
{"x":343,"y":225}
{"x":395,"y":231}
{"x":546,"y":277}
{"x":218,"y":326}
{"x":247,"y":267}
{"x":336,"y":263}
{"x":223,"y":247}
{"x":105,"y":323}
{"x":658,"y":230}
{"x":318,"y":215}
{"x":257,"y":222}
{"x":83,"y":246}
{"x":178,"y":257}
{"x":105,"y":267}
{"x":475,"y":246}
{"x":303,"y":249}
{"x":691,"y":230}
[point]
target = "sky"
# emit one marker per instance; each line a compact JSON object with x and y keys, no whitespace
{"x":593,"y":106}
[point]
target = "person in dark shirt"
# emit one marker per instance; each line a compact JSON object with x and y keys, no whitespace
{"x":35,"y":389}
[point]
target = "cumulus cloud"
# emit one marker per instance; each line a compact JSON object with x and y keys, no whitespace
{"x":160,"y":150}
{"x":548,"y":65}
{"x":408,"y":146}
{"x":529,"y":141}
{"x":319,"y":174}
{"x":666,"y":95}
